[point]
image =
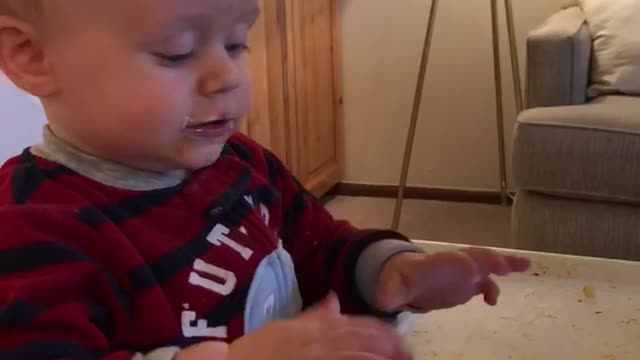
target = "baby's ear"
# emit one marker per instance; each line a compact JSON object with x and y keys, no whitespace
{"x":22,"y":57}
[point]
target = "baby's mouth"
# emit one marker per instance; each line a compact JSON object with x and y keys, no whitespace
{"x":208,"y":124}
{"x":211,"y":130}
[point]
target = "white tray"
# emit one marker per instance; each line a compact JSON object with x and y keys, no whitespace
{"x":542,"y":315}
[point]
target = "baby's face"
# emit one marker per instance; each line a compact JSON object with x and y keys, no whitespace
{"x":155,"y":84}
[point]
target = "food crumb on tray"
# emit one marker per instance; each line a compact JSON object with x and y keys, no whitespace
{"x":589,"y":292}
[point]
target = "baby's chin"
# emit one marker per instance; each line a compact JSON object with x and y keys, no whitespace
{"x":197,"y":159}
{"x":187,"y":156}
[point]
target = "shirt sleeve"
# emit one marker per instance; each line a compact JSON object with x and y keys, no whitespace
{"x":371,"y":262}
{"x":55,"y":301}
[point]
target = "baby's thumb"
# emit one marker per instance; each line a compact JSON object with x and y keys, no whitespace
{"x":327,"y":308}
{"x":393,"y":294}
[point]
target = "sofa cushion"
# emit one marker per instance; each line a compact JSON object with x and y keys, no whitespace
{"x":560,"y":225}
{"x":587,"y":151}
{"x":614,"y":27}
{"x":558,"y":58}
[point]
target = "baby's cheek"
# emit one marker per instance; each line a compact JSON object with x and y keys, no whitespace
{"x":161,"y":105}
{"x":158,"y":89}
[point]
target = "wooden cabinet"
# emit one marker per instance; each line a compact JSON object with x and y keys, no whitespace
{"x":295,"y":69}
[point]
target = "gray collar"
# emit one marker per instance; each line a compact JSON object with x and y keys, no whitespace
{"x":103,"y":171}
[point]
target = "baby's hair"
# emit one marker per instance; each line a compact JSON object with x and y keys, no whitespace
{"x":23,"y":9}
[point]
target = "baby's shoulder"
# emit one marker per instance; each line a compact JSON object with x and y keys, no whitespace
{"x":44,"y":229}
{"x":30,"y":192}
{"x":40,"y":237}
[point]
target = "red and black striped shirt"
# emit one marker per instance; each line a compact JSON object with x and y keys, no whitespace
{"x":88,"y":270}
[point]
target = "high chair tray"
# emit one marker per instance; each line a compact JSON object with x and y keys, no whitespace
{"x":566,"y":307}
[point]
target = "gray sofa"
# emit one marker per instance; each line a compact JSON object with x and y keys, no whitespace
{"x":576,"y":161}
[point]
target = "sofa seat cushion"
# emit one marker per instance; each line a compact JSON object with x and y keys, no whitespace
{"x":587,"y":151}
{"x":567,"y":226}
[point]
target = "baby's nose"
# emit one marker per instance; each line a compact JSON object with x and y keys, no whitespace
{"x":220,"y":73}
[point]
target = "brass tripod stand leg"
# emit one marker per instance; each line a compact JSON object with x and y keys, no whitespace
{"x":426,"y":52}
{"x":417,"y":102}
{"x":515,"y":62}
{"x":497,"y":71}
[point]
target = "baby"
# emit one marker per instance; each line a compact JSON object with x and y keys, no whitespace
{"x":144,"y":227}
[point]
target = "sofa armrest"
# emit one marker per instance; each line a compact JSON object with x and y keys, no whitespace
{"x":558,"y":60}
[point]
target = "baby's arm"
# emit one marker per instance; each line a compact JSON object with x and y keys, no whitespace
{"x":329,"y":255}
{"x":57,"y":301}
{"x":332,"y":255}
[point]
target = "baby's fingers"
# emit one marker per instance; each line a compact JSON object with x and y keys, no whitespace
{"x":491,"y":291}
{"x":489,"y":262}
{"x":362,"y":356}
{"x":368,"y":336}
{"x":518,"y":264}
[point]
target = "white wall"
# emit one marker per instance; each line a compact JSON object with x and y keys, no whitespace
{"x":21,"y":119}
{"x":456,"y":144}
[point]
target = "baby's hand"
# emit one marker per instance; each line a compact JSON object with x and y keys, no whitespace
{"x":443,"y":280}
{"x":319,"y":334}
{"x":205,"y":351}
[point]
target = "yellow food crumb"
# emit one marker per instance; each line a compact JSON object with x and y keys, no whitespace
{"x":589,"y":292}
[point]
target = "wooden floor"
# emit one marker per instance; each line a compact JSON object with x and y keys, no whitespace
{"x":473,"y":224}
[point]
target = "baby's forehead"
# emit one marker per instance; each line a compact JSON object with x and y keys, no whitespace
{"x":20,"y":8}
{"x":145,"y":11}
{"x":215,"y":9}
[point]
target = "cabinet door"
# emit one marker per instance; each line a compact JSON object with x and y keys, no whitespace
{"x":314,"y":81}
{"x":266,"y":119}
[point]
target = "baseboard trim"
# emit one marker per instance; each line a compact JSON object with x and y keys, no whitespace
{"x":418,"y":192}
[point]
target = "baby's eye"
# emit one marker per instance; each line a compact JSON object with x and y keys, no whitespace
{"x":237,"y":49}
{"x":174,"y":59}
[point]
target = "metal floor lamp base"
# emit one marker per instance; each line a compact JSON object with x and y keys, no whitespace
{"x":426,"y":52}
